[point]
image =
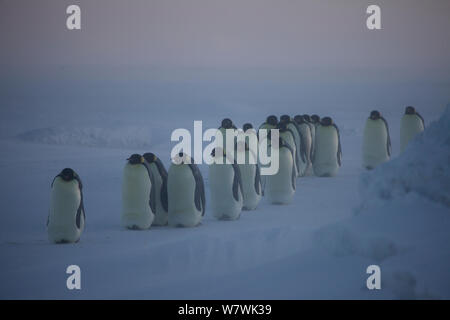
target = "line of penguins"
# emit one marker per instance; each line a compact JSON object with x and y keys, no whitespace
{"x":153,"y":196}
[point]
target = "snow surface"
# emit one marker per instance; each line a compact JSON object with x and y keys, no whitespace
{"x":396,"y":216}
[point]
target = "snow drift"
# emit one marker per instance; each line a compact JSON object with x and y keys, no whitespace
{"x":403,"y":220}
{"x":423,"y":168}
{"x":115,"y":137}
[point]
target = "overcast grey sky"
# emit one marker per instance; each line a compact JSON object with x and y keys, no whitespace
{"x":227,"y":33}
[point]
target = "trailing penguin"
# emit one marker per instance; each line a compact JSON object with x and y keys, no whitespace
{"x":66,"y":219}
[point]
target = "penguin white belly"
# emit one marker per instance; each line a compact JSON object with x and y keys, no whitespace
{"x":181,"y":195}
{"x":325,"y":152}
{"x":161,"y":217}
{"x":410,"y":126}
{"x":305,"y":165}
{"x":374,"y":144}
{"x":279,"y":188}
{"x":251,"y":197}
{"x":136,"y":188}
{"x":65,"y":201}
{"x":223,"y":205}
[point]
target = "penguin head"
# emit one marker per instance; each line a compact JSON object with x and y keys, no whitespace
{"x":181,"y":158}
{"x":285,"y":118}
{"x":306,"y":118}
{"x":375,"y":115}
{"x":315,"y":118}
{"x":149,"y":157}
{"x":299,"y":119}
{"x":227,"y":123}
{"x":272,"y":120}
{"x":67,"y":174}
{"x":247,"y":126}
{"x":135,"y":159}
{"x":282,"y":126}
{"x":410,"y":110}
{"x":326,"y":121}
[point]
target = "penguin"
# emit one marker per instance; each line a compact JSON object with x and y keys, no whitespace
{"x":159,"y":183}
{"x":280,"y":187}
{"x":305,"y":134}
{"x":66,"y":219}
{"x":186,"y":192}
{"x":376,"y":147}
{"x":293,"y":127}
{"x":270,"y":123}
{"x":328,"y":152}
{"x":251,"y":177}
{"x":225,"y":182}
{"x":412,"y":123}
{"x":225,"y":125}
{"x":246,"y":127}
{"x":315,"y":120}
{"x":288,"y":136}
{"x":138,"y":194}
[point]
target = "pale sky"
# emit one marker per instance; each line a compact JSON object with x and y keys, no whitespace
{"x":227,"y":33}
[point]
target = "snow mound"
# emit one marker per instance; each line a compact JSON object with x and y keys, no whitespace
{"x":114,"y":137}
{"x":424,"y":168}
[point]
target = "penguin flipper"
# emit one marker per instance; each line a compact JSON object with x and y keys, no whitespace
{"x":421,"y":118}
{"x":80,"y":210}
{"x":388,"y":141}
{"x":339,"y":151}
{"x":258,"y":180}
{"x":237,"y":182}
{"x":152,"y":196}
{"x":164,"y":196}
{"x":199,"y":194}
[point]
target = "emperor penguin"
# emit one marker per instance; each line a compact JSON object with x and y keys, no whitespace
{"x":138,"y":194}
{"x":376,"y":147}
{"x":270,"y":123}
{"x":293,"y":127}
{"x":251,"y":176}
{"x":248,"y":128}
{"x":280,"y":187}
{"x":226,"y":124}
{"x":159,"y":183}
{"x":186,"y":192}
{"x":328,"y":152}
{"x":225,"y":183}
{"x":315,"y":120}
{"x":412,"y":123}
{"x":65,"y":222}
{"x":305,"y":134}
{"x":288,"y":137}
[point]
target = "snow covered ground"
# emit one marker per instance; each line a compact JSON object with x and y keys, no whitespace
{"x":396,"y":216}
